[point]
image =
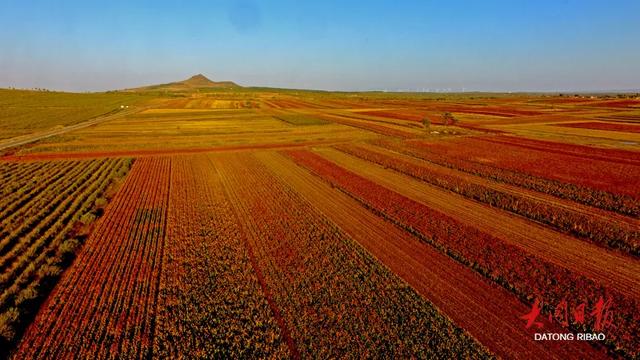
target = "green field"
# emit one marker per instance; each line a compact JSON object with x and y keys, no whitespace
{"x":24,"y":111}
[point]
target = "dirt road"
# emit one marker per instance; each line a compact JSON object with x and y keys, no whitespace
{"x":29,"y":138}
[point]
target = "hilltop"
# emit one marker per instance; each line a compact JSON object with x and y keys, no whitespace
{"x":198,"y":81}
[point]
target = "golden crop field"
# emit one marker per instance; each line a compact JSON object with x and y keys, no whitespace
{"x":232,"y":222}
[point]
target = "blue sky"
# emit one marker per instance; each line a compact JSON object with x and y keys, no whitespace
{"x":507,"y":45}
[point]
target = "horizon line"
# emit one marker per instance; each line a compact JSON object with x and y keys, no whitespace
{"x":381,"y":90}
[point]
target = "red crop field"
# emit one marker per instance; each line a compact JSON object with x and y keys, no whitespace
{"x":327,"y":292}
{"x":605,"y":126}
{"x":203,"y":219}
{"x":208,"y":274}
{"x":606,"y":154}
{"x":592,"y":224}
{"x":545,"y":164}
{"x":107,"y":302}
{"x":631,"y":103}
{"x":542,"y":171}
{"x":360,"y":180}
{"x":487,"y":253}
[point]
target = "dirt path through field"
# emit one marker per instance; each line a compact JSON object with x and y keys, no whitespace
{"x":29,"y":138}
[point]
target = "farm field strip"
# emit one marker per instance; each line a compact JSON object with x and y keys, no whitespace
{"x":415,"y":128}
{"x":352,"y":304}
{"x":368,"y":125}
{"x":624,"y":118}
{"x":605,"y":126}
{"x":622,"y":204}
{"x":16,"y":176}
{"x":544,"y":163}
{"x":601,"y":227}
{"x":590,"y":152}
{"x":31,"y":241}
{"x":624,"y":103}
{"x":105,"y":303}
{"x":48,"y":196}
{"x":574,"y":136}
{"x":34,"y":252}
{"x":160,"y":152}
{"x":171,"y":115}
{"x":210,"y":299}
{"x":445,"y":170}
{"x":396,"y":123}
{"x":485,"y":248}
{"x":38,"y":254}
{"x":248,"y":228}
{"x":47,"y":336}
{"x":485,"y":310}
{"x":58,"y":175}
{"x":39,"y":214}
{"x":185,"y":141}
{"x":490,"y":110}
{"x":399,"y":114}
{"x":578,"y":256}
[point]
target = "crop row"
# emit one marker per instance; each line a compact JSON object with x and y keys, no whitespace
{"x":620,"y":203}
{"x":600,"y":231}
{"x":211,"y":303}
{"x":105,"y":303}
{"x":37,"y":240}
{"x":334,"y":299}
{"x":32,"y":248}
{"x":19,"y":212}
{"x":527,"y":276}
{"x":25,"y":193}
{"x":22,"y":227}
{"x":15,"y":175}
